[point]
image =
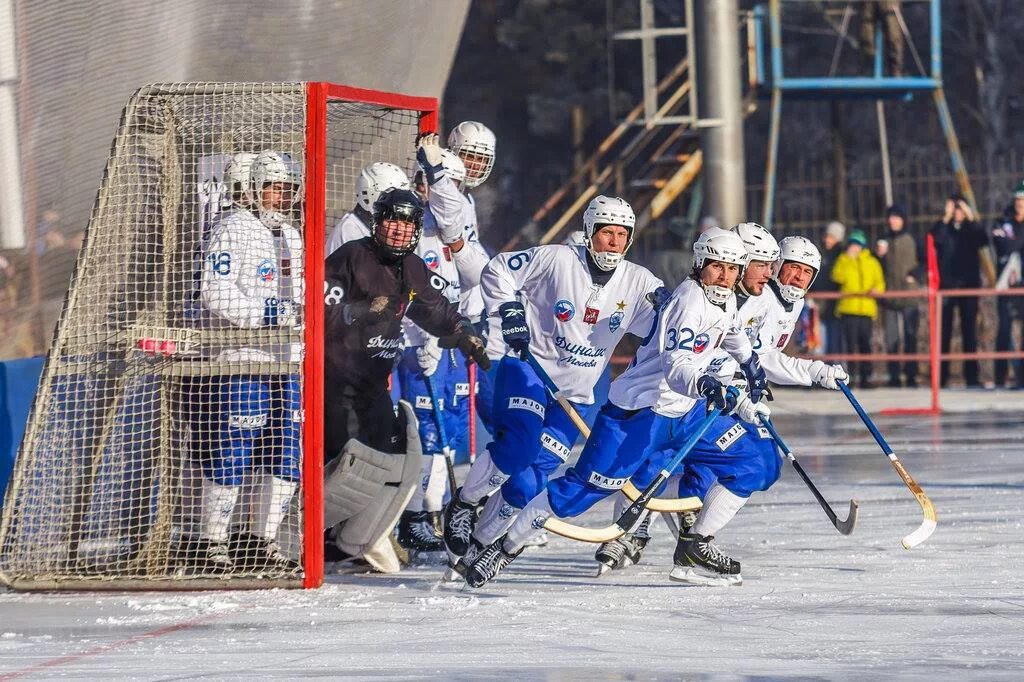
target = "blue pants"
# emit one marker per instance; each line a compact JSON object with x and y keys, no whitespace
{"x":485,"y":397}
{"x":532,"y":433}
{"x":413,"y":388}
{"x":246,"y":422}
{"x":740,"y":456}
{"x":621,"y":443}
{"x":456,"y":397}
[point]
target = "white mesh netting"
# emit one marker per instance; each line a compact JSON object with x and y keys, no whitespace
{"x":167,"y":425}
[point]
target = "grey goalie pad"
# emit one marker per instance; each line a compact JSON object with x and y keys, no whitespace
{"x":367,"y":490}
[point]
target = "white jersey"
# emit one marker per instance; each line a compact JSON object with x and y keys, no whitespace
{"x":574,"y":323}
{"x":472,"y":302}
{"x":664,"y":374}
{"x":348,"y":229}
{"x":768,"y":322}
{"x":245,"y":265}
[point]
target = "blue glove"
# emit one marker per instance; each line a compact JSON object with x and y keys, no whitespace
{"x":514,"y":329}
{"x":659,"y":298}
{"x":428,"y":155}
{"x":757,"y":380}
{"x":719,"y":396}
{"x":278,"y":312}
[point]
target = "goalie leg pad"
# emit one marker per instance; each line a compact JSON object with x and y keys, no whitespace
{"x":368,"y":489}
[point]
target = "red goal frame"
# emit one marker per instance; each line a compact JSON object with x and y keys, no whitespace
{"x":318,"y":94}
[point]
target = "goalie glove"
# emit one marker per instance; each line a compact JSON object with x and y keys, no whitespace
{"x":428,"y":155}
{"x":367,"y":313}
{"x":757,"y":380}
{"x":428,"y":355}
{"x":719,"y":396}
{"x":279,"y":313}
{"x":750,"y":411}
{"x":828,"y":376}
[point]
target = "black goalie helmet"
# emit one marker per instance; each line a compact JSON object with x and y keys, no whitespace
{"x":402,"y":205}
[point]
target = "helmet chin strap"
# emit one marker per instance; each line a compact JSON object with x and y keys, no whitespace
{"x":790,"y":293}
{"x":716,"y":294}
{"x":606,"y":260}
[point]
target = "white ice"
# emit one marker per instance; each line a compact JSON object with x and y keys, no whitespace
{"x":813,"y":603}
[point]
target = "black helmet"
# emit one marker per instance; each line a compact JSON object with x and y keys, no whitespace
{"x":398,"y":204}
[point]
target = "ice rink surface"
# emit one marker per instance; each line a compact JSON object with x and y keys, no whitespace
{"x":814,"y":604}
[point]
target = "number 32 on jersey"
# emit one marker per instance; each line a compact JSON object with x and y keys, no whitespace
{"x":686,"y":339}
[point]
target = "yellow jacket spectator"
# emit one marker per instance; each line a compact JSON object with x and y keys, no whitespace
{"x":857,"y":271}
{"x":858,"y":274}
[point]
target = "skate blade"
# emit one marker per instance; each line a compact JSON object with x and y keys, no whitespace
{"x":692,"y":577}
{"x":602,"y":569}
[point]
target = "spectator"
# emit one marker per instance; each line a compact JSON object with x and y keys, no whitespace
{"x":898,"y":252}
{"x":859,"y":276}
{"x":958,"y":241}
{"x":1008,"y":239}
{"x":831,"y":247}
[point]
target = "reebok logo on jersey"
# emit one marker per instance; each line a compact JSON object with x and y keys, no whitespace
{"x":729,"y":437}
{"x":552,"y":445}
{"x":519,"y":403}
{"x":511,"y":313}
{"x":247,"y":421}
{"x":606,"y":483}
{"x":564,"y":310}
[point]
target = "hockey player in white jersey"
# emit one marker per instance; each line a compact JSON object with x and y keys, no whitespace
{"x":457,"y":263}
{"x":646,"y":413}
{"x":249,"y":422}
{"x":568,"y":306}
{"x":475,"y":145}
{"x":358,"y":223}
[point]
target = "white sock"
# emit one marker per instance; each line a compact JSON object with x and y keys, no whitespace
{"x":270,"y":506}
{"x":437,"y":483}
{"x":416,"y":502}
{"x":529,"y":522}
{"x":218,"y":505}
{"x":495,"y":519}
{"x":483,"y":479}
{"x":720,"y":506}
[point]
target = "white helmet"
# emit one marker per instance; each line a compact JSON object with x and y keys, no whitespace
{"x":716,"y":244}
{"x":471,"y":137}
{"x":759,"y":242}
{"x":376,"y":178}
{"x":607,"y":211}
{"x":238,"y":176}
{"x":798,"y":250}
{"x":268,"y":167}
{"x":453,"y":164}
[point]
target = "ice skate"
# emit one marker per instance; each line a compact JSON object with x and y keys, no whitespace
{"x":459,"y":521}
{"x":252,"y":553}
{"x":623,"y":551}
{"x":201,"y":556}
{"x":490,"y":562}
{"x":416,"y":533}
{"x":699,"y":562}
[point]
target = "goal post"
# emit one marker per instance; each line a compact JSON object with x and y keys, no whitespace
{"x":167,"y":392}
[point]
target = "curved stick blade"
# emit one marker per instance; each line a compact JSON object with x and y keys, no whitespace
{"x":846,"y":527}
{"x":927,"y":527}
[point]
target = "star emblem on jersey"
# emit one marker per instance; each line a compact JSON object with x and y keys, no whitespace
{"x":564,"y":310}
{"x":621,"y":305}
{"x":432,"y":260}
{"x":700,"y":343}
{"x":412,"y":295}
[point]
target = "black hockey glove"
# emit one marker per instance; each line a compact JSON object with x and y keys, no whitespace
{"x":659,"y":298}
{"x":719,"y":396}
{"x":514,"y":329}
{"x":368,"y":313}
{"x":428,"y":155}
{"x":757,"y":380}
{"x":469,"y":342}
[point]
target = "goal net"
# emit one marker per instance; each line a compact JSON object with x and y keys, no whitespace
{"x":180,"y":409}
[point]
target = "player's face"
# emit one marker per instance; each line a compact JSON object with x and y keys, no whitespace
{"x":719,"y":274}
{"x":756,"y":275}
{"x":277,"y":196}
{"x":476,"y":164}
{"x":611,"y":239}
{"x":796,"y":274}
{"x":1018,"y":206}
{"x":397,"y":234}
